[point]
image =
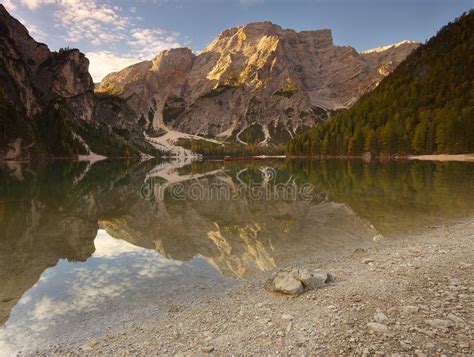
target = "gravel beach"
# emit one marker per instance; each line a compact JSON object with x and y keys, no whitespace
{"x":407,"y":296}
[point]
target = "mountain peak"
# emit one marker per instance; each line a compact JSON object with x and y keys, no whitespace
{"x":254,"y":83}
{"x":261,"y":23}
{"x":252,"y":33}
{"x":388,"y":47}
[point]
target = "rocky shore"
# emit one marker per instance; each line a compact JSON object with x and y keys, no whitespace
{"x":406,"y":296}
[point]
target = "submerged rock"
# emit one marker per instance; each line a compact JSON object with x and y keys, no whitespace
{"x":294,"y":281}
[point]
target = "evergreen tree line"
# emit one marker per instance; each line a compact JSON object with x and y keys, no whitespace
{"x":426,"y":105}
{"x":214,"y":150}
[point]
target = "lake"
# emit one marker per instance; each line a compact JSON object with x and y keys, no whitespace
{"x":93,"y":248}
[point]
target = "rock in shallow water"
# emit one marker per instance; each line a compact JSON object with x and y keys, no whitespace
{"x":294,"y":281}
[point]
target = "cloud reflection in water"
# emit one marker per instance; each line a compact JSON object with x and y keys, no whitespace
{"x":120,"y":281}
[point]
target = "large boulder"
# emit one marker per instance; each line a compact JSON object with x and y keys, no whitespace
{"x":295,"y":281}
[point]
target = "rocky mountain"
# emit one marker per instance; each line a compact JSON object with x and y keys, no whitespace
{"x":256,"y":83}
{"x":426,"y":105}
{"x":47,"y":102}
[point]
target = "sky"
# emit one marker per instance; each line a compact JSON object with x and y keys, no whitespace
{"x":116,"y":33}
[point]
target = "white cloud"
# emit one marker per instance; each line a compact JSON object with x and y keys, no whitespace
{"x":88,"y":20}
{"x":148,"y":42}
{"x":144,"y":45}
{"x":9,"y":5}
{"x":105,"y":62}
{"x":107,"y":28}
{"x":34,"y":4}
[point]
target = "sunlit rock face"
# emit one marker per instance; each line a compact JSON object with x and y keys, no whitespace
{"x":148,"y":84}
{"x":252,"y":83}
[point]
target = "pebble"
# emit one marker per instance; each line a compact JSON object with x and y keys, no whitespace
{"x":377,"y":327}
{"x":405,"y":345}
{"x":455,"y":318}
{"x":207,"y":349}
{"x":421,"y":316}
{"x":89,"y":345}
{"x":437,"y":323}
{"x":430,"y":346}
{"x":381,"y":317}
{"x":408,"y":310}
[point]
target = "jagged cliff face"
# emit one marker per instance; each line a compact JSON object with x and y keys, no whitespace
{"x":253,"y":83}
{"x":33,"y":80}
{"x":47,"y":102}
{"x":65,"y":76}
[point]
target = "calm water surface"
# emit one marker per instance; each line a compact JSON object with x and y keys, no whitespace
{"x":87,"y":249}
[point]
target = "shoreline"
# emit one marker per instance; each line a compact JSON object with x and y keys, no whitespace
{"x":435,"y":157}
{"x":443,"y":157}
{"x":409,"y":295}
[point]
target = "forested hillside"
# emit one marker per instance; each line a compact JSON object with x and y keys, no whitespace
{"x":425,"y":106}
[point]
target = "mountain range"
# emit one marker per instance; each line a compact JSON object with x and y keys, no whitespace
{"x":253,"y":84}
{"x":426,"y":105}
{"x":256,"y":83}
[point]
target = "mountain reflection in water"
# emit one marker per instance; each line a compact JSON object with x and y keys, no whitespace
{"x":77,"y":238}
